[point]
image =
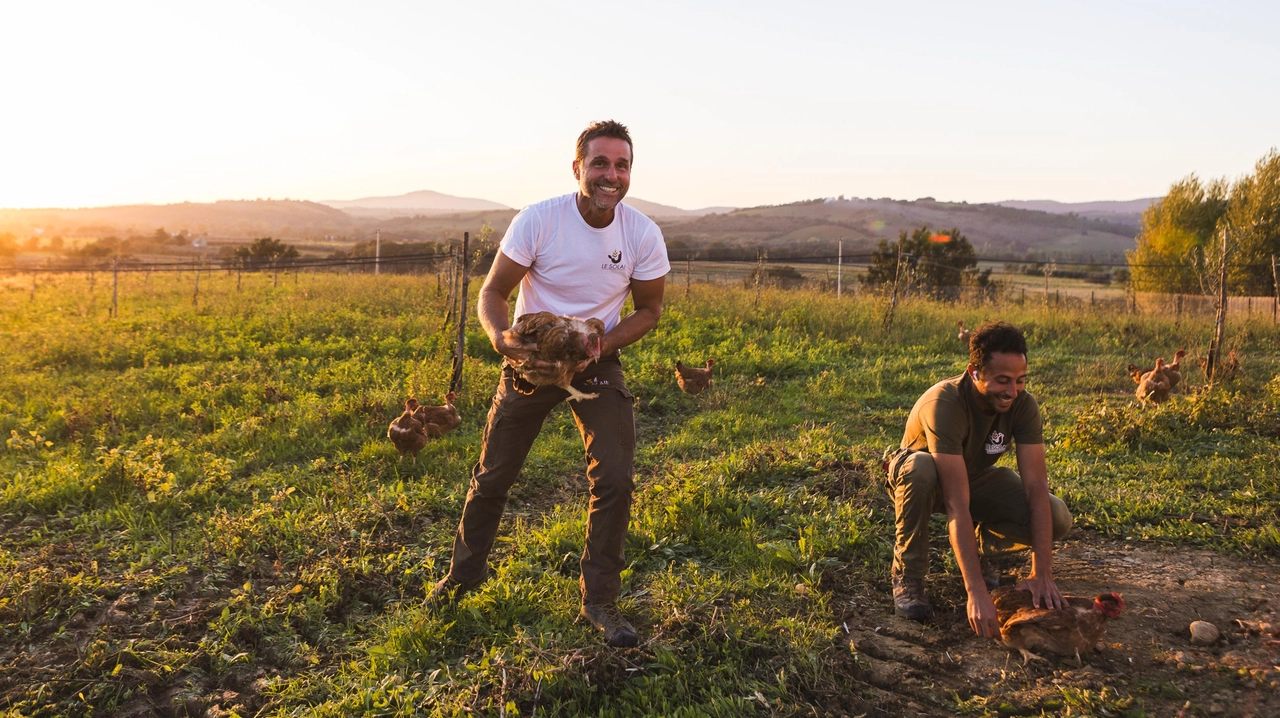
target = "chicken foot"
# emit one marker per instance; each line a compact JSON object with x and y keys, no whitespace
{"x":1029,"y":656}
{"x":574,"y":394}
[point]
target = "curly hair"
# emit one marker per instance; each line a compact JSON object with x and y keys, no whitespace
{"x":607,"y":128}
{"x":995,"y":337}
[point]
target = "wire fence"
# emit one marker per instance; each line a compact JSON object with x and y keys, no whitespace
{"x":843,"y":275}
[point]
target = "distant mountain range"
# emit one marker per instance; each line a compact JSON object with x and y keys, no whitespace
{"x":1014,"y":228}
{"x":1127,"y":212}
{"x":420,"y":202}
{"x":427,"y":202}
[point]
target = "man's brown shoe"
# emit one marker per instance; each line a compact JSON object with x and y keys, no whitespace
{"x":909,"y":599}
{"x":447,"y":591}
{"x":617,"y":630}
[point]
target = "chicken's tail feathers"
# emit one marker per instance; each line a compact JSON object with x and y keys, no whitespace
{"x":680,"y":365}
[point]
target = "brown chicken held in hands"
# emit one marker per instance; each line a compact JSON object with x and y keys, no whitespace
{"x":565,"y":342}
{"x":1066,"y":631}
{"x":693,"y":380}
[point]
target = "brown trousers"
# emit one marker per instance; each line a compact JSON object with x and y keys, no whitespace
{"x":997,"y":503}
{"x":608,"y":428}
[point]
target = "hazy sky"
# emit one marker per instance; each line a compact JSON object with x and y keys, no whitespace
{"x":729,"y":103}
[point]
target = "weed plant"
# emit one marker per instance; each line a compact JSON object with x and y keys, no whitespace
{"x":199,"y":506}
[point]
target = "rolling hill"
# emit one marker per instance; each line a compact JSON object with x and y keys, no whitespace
{"x":862,"y":223}
{"x":1128,"y":212}
{"x":808,"y":227}
{"x":420,"y":202}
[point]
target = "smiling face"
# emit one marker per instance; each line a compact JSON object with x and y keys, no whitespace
{"x":1000,"y":381}
{"x":603,"y":175}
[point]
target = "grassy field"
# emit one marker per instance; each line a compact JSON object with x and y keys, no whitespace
{"x":200,"y":513}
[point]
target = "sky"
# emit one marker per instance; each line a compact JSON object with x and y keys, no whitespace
{"x":735,"y":103}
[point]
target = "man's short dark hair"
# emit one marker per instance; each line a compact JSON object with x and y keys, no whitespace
{"x":607,"y":128}
{"x":995,"y":337}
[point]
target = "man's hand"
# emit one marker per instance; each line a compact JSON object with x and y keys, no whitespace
{"x":1044,"y":592}
{"x":982,"y":614}
{"x":516,"y":351}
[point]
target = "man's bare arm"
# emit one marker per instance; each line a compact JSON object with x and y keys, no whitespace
{"x":647,"y":297}
{"x":495,"y":318}
{"x":953,"y":478}
{"x":1035,"y":481}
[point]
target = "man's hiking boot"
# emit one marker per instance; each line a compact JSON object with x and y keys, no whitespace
{"x":990,"y":572}
{"x":909,"y":599}
{"x":617,"y":630}
{"x":447,"y":591}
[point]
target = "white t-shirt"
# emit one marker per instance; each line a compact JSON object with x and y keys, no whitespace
{"x":577,"y":270}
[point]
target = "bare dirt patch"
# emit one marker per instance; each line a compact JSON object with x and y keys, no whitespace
{"x":1147,"y":665}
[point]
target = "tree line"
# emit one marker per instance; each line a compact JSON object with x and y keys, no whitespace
{"x":1180,"y":247}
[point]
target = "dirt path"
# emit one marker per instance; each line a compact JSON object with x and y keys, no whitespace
{"x":1147,"y":654}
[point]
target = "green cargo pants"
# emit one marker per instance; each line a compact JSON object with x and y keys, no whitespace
{"x":997,"y":503}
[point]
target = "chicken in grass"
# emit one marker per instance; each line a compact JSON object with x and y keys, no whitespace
{"x":1171,"y":372}
{"x":418,"y":424}
{"x":1232,"y":367}
{"x":564,"y":342}
{"x":1069,"y":631}
{"x":693,"y":380}
{"x":1226,"y":371}
{"x":963,"y":336}
{"x":1154,"y":385}
{"x":439,"y":420}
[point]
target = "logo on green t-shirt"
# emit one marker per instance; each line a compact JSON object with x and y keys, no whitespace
{"x":995,"y":443}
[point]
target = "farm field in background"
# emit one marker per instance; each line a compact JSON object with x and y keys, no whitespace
{"x":200,"y":513}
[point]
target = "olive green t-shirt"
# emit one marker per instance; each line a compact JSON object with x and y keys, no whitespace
{"x":948,"y":420}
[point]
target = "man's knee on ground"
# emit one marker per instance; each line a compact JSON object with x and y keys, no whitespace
{"x":917,"y":468}
{"x":1062,"y":519}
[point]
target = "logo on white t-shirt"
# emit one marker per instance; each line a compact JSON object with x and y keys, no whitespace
{"x":614,"y":257}
{"x":995,"y":443}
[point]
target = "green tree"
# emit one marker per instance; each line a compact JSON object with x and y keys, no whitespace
{"x":1253,"y":220}
{"x":265,"y":250}
{"x":1179,"y":247}
{"x":1173,"y":246}
{"x":935,"y":263}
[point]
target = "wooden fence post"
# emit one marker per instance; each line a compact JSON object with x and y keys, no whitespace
{"x":1276,"y":281}
{"x":1220,"y":321}
{"x":460,"y":349}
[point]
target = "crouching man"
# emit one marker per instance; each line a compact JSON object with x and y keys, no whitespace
{"x":946,"y":464}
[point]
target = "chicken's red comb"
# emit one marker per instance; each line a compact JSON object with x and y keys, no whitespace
{"x":1109,"y":603}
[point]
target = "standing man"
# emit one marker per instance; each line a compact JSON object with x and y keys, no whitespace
{"x":575,"y":255}
{"x":955,"y":433}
